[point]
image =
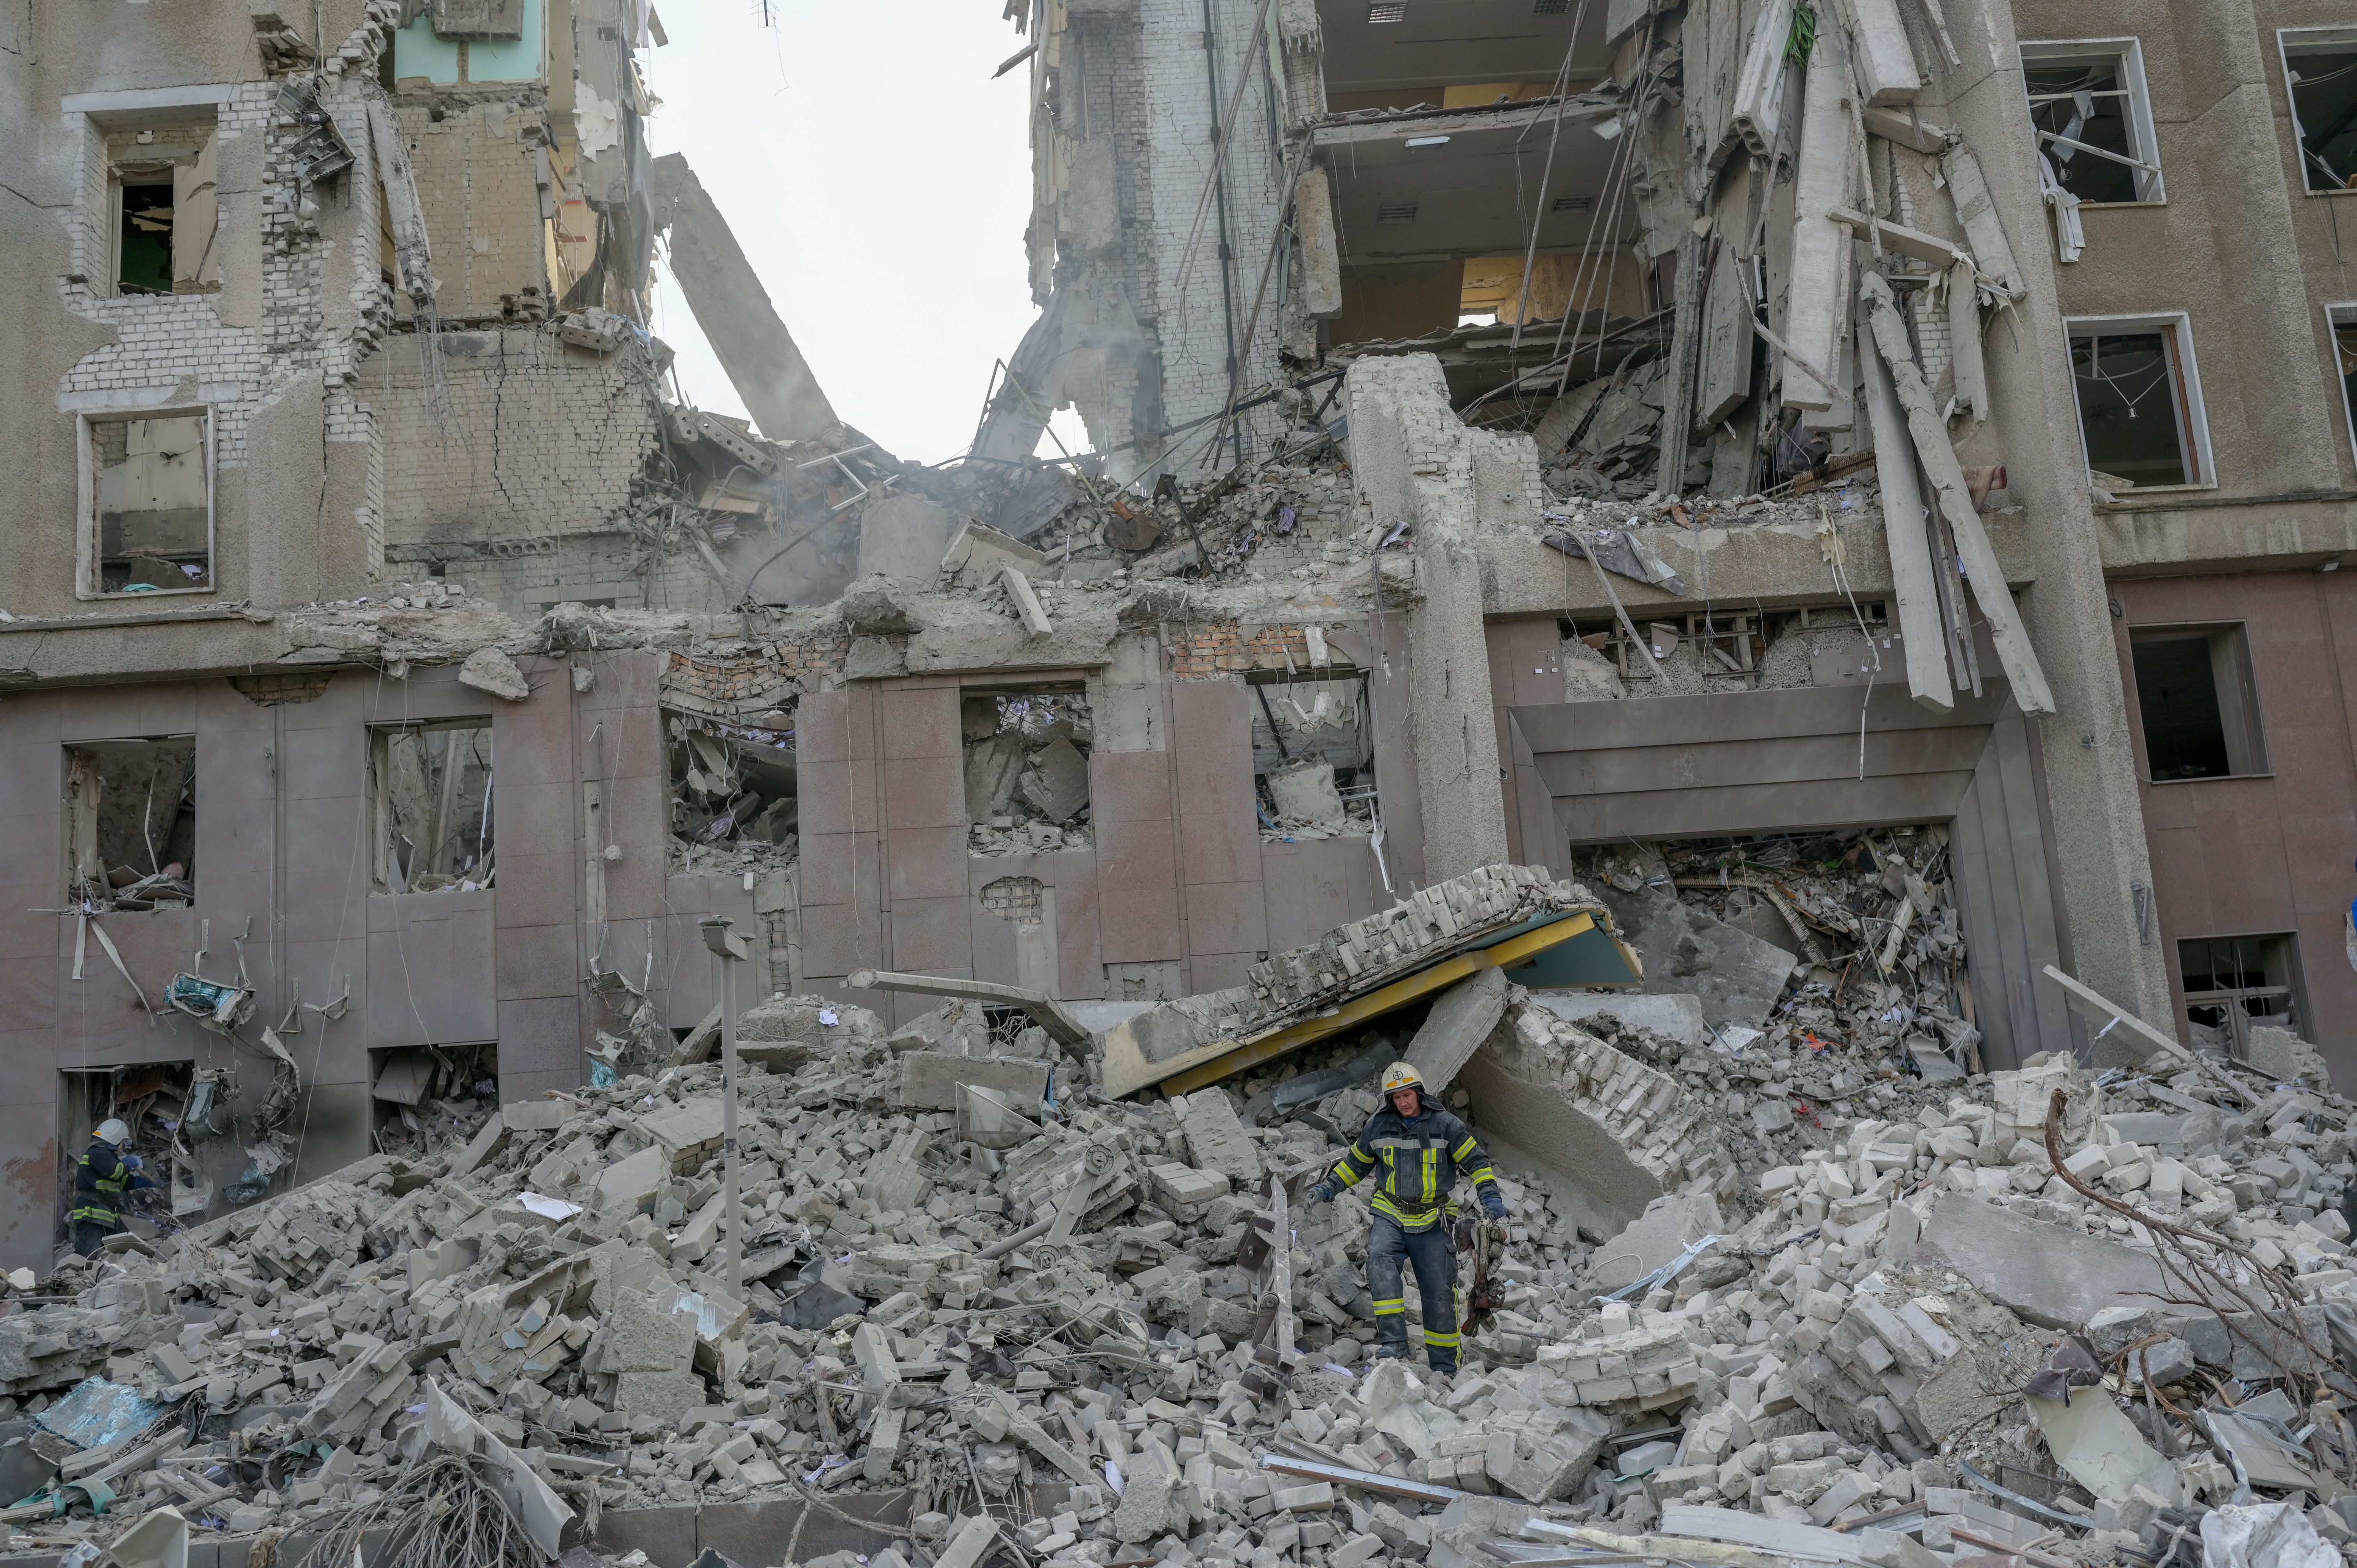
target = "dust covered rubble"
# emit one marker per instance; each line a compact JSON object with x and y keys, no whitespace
{"x":1825,"y":1353}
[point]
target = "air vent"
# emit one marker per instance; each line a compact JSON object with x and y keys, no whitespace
{"x":1393,"y":11}
{"x":1550,"y":7}
{"x":1572,"y":203}
{"x":1396,"y":213}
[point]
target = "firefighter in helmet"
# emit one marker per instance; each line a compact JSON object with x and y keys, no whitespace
{"x":105,"y":1174}
{"x":1419,"y":1149}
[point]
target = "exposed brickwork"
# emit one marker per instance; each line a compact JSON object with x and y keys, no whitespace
{"x":754,"y":673}
{"x":1225,"y":648}
{"x":478,"y":170}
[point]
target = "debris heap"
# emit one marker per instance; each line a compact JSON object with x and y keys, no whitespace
{"x":1789,"y":1295}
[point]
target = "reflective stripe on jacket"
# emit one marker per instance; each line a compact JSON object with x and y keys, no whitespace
{"x":1420,"y":1162}
{"x":100,"y":1170}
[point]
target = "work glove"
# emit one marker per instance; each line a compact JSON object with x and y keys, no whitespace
{"x":1494,"y":1204}
{"x":135,"y":1162}
{"x":1324,"y":1192}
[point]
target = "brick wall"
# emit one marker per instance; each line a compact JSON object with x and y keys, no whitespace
{"x":477,"y":171}
{"x":1225,"y":648}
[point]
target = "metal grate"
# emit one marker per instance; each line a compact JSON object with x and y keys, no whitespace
{"x":1549,"y":7}
{"x":1574,"y":203}
{"x":1396,"y":213}
{"x":1387,"y":11}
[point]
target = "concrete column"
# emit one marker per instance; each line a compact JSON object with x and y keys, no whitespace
{"x":2090,"y":763}
{"x":1417,"y":462}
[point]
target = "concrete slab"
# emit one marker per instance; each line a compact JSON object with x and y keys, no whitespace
{"x":1669,"y":1225}
{"x":929,"y":1079}
{"x":2053,"y":1277}
{"x":1675,"y":1014}
{"x":1457,"y":1024}
{"x":1734,"y":975}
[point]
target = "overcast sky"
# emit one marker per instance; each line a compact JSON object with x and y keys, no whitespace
{"x":879,"y":178}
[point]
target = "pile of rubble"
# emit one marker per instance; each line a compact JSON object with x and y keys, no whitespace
{"x":1026,"y":771}
{"x":1787,"y":1295}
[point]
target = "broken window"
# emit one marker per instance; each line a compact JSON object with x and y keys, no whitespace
{"x":429,"y":1098}
{"x":2139,"y":402}
{"x":2234,"y":984}
{"x":1313,"y":753}
{"x":131,"y":824}
{"x":149,"y":481}
{"x":2199,"y":703}
{"x":431,"y":788}
{"x":735,"y":805}
{"x":1026,"y":770}
{"x":2093,"y":118}
{"x":165,"y":214}
{"x":2344,"y":320}
{"x":2320,"y":70}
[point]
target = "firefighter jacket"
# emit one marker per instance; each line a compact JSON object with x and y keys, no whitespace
{"x":100,"y":1178}
{"x":1417,"y":1162}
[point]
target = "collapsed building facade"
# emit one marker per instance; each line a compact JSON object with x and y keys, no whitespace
{"x":1684,"y":448}
{"x":1669,"y":565}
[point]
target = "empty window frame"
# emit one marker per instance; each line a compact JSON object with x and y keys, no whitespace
{"x":2320,"y":73}
{"x":147,"y":503}
{"x":2342,"y":320}
{"x":2234,"y":984}
{"x":163,"y":211}
{"x":131,"y":824}
{"x":430,"y":795}
{"x":2140,"y":415}
{"x":2093,"y":118}
{"x":2199,"y":705}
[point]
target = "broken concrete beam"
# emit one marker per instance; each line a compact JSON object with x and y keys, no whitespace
{"x":1457,"y":1026}
{"x":1042,"y":1009}
{"x":930,"y":1079}
{"x":734,"y":309}
{"x":1816,"y":313}
{"x":1983,"y":574}
{"x":1977,"y":213}
{"x":1027,"y":602}
{"x":1886,"y":61}
{"x":1929,"y":249}
{"x":1320,"y":285}
{"x":1758,"y":113}
{"x":1913,"y":575}
{"x":1970,"y":371}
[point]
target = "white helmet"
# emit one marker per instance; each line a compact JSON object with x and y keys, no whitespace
{"x":112,"y":1131}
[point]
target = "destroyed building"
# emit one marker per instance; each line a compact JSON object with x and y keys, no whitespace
{"x":1670,"y":563}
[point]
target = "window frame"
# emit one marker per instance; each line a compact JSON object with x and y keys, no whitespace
{"x":2152,"y":184}
{"x":88,"y":529}
{"x":2337,"y":34}
{"x":2294,"y":990}
{"x":2193,"y":414}
{"x":2237,"y":709}
{"x":2337,"y":314}
{"x":380,"y":814}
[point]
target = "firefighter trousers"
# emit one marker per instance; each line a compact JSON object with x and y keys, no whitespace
{"x":1431,"y":1254}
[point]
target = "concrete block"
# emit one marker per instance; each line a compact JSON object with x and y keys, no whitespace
{"x":1734,"y":975}
{"x":930,"y":1079}
{"x":1216,"y":1139}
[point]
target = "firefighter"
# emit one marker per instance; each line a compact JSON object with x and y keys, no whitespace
{"x":103,"y":1175}
{"x":1421,"y":1150}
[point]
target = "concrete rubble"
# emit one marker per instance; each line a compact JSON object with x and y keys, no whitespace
{"x":1876,"y":1326}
